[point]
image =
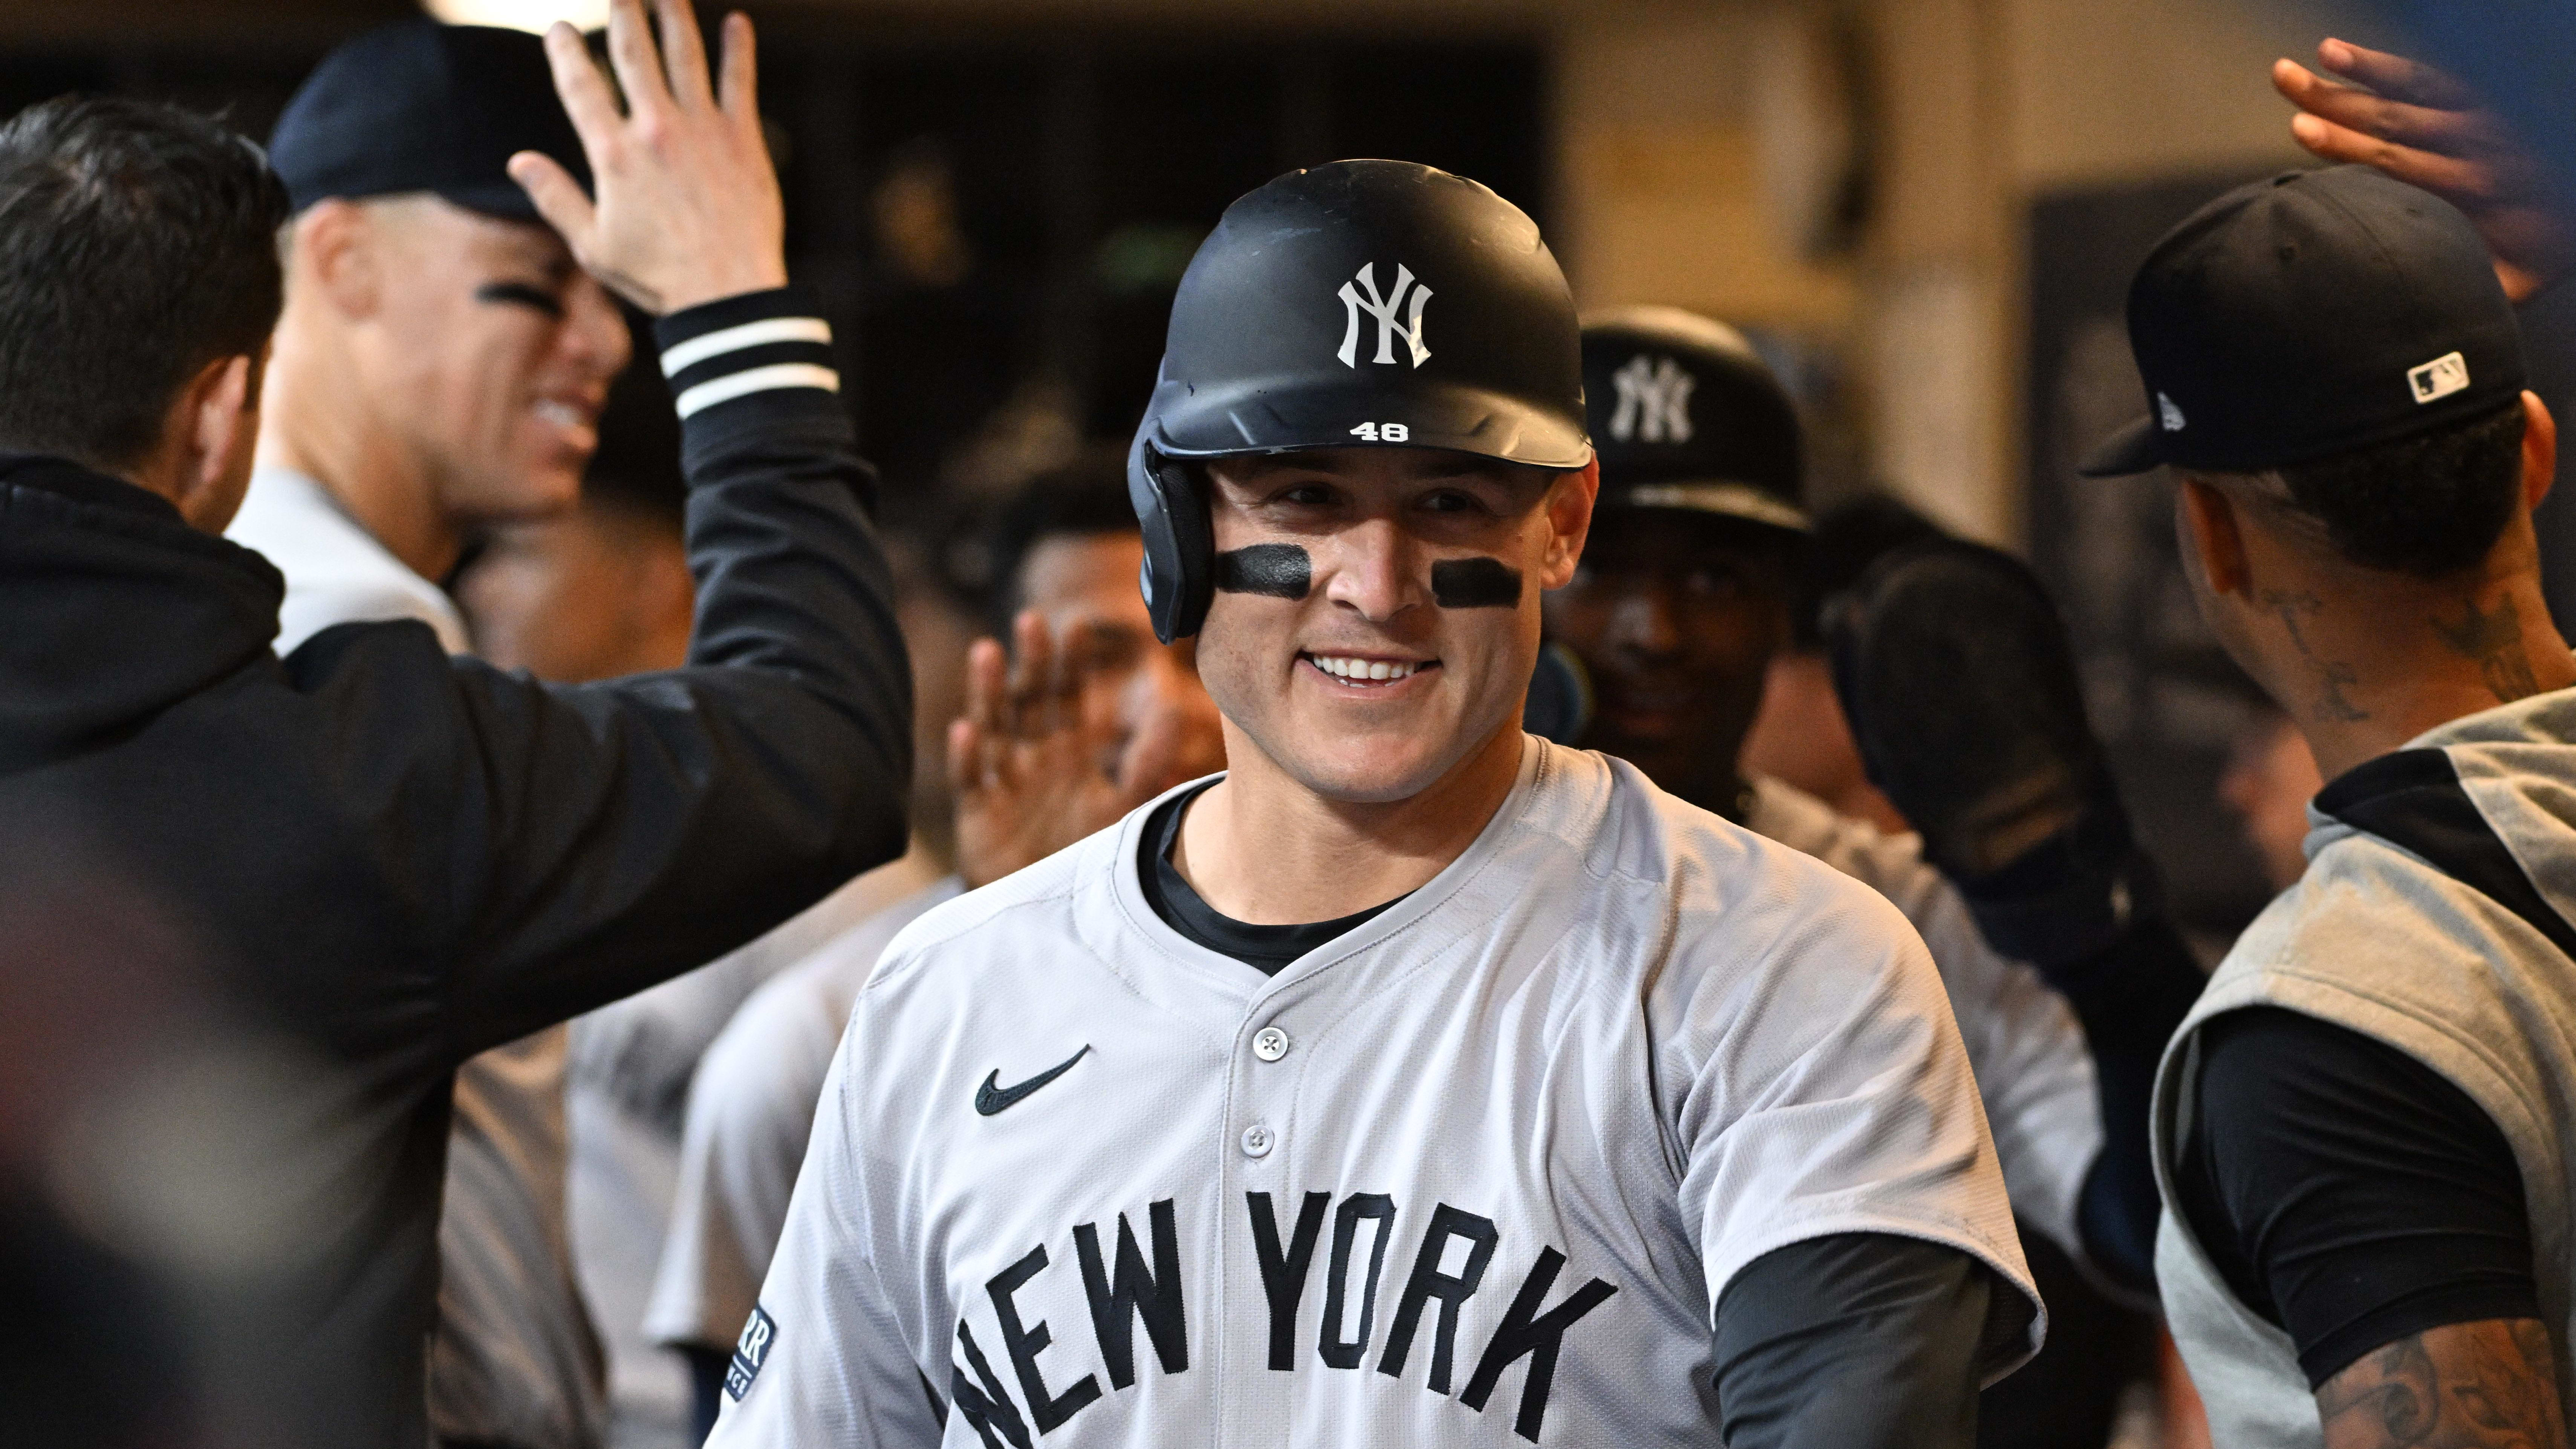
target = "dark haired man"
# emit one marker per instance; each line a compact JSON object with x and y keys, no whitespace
{"x":393,"y":859}
{"x":2362,"y":1128}
{"x":138,"y":258}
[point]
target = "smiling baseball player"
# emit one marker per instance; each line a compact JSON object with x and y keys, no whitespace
{"x":1417,"y":1081}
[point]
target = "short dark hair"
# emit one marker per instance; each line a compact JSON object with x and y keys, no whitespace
{"x":2428,"y":504}
{"x":138,"y":242}
{"x":1084,"y":497}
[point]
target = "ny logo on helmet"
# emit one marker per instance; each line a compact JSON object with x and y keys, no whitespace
{"x":1361,"y":296}
{"x":1654,"y":401}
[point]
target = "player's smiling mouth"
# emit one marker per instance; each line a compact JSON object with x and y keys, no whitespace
{"x":1360,"y":672}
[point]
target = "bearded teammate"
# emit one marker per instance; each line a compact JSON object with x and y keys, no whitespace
{"x":1417,"y":1081}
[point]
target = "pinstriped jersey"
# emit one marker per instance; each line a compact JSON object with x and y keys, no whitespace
{"x":1473,"y":1173}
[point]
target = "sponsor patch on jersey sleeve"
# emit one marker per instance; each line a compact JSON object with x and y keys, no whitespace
{"x":750,"y":1352}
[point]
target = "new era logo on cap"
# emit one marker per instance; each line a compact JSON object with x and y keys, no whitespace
{"x":2439,"y":378}
{"x":2283,"y":312}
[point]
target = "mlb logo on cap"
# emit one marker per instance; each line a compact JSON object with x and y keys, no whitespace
{"x":2440,"y":377}
{"x":2286,"y":313}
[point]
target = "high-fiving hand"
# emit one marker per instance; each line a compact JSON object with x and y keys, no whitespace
{"x":1034,"y":771}
{"x":687,"y":207}
{"x":2428,"y":130}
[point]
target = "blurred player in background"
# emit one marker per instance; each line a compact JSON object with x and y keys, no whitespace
{"x":2270,"y":778}
{"x":440,"y":368}
{"x":597,"y":592}
{"x":1084,"y":717}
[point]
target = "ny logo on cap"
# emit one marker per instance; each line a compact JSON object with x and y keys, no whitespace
{"x":1654,"y":401}
{"x":1361,"y":296}
{"x":2439,"y":378}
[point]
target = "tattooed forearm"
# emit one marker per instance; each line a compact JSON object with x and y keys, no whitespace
{"x":2491,"y":1385}
{"x":2493,"y":637}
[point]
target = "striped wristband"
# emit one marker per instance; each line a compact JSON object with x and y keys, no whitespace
{"x":742,"y":345}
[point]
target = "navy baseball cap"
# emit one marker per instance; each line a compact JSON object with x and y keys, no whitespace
{"x":1686,"y":416}
{"x":420,"y":106}
{"x":2307,"y":315}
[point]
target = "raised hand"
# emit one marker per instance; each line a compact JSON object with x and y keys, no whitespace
{"x":1034,"y":770}
{"x":687,"y":207}
{"x":2428,"y":130}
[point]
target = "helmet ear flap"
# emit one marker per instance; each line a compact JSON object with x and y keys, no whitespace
{"x":1179,"y":576}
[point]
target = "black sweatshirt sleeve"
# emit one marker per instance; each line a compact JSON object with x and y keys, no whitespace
{"x":2129,"y":998}
{"x":2086,"y":910}
{"x":1857,"y":1341}
{"x":610,"y":835}
{"x":2347,"y":1192}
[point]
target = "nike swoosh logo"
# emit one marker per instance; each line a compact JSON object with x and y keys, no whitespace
{"x":992,"y":1097}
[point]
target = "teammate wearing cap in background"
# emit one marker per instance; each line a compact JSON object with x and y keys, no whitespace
{"x":440,"y":367}
{"x":1681,"y":605}
{"x":391,"y":858}
{"x":1417,"y":1081}
{"x":2363,"y":1130}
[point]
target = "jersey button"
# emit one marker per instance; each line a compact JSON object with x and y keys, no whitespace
{"x":1258,"y":1140}
{"x":1270,"y":1044}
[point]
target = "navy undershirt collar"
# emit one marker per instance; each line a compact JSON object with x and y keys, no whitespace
{"x":1266,"y":949}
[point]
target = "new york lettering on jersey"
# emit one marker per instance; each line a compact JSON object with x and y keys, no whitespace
{"x":1472,"y":1174}
{"x":1449,"y":1266}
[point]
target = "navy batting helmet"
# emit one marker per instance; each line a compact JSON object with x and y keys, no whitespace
{"x":1362,"y":303}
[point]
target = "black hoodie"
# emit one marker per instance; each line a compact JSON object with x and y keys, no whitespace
{"x":393,"y":859}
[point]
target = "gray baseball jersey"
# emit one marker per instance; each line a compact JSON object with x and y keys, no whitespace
{"x":1473,"y":1173}
{"x":2034,"y":1069}
{"x":626,"y":1078}
{"x":751,"y":1111}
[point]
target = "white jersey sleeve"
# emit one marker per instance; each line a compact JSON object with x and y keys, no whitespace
{"x":843,"y":1376}
{"x":750,"y":1113}
{"x":1827,"y":1091}
{"x":2034,"y":1069}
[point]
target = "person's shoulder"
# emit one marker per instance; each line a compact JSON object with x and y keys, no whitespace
{"x":994,"y":925}
{"x":1891,"y":865}
{"x":336,"y":572}
{"x":771,"y":1052}
{"x":829,"y":977}
{"x":1709,"y":864}
{"x":774,"y":1047}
